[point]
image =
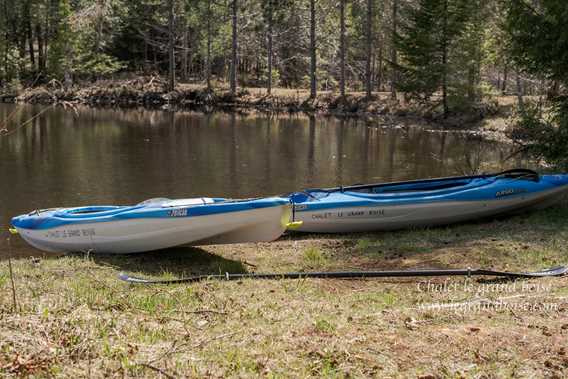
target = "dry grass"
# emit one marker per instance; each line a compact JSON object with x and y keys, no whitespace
{"x":76,"y":319}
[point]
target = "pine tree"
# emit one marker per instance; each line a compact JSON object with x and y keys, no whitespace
{"x":234,"y":47}
{"x":425,"y":42}
{"x":538,"y":40}
{"x":313,"y":50}
{"x":60,"y":52}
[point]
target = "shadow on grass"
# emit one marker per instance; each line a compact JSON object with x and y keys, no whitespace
{"x":525,"y":240}
{"x":178,"y":262}
{"x":19,"y":249}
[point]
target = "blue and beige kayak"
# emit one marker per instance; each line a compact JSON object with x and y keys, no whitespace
{"x":420,"y":203}
{"x":154,"y":224}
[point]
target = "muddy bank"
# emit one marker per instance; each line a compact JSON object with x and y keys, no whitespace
{"x":151,"y":93}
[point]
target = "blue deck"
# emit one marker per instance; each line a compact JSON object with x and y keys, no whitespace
{"x":428,"y":191}
{"x":40,"y":220}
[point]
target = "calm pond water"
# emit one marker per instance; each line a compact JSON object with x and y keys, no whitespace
{"x":71,"y":157}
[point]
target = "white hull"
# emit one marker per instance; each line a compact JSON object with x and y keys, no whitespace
{"x":145,"y":234}
{"x":385,"y":217}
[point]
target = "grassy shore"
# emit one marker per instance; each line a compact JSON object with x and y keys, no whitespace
{"x":74,"y":318}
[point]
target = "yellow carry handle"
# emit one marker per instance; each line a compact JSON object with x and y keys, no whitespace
{"x":13,"y":230}
{"x":294,"y":225}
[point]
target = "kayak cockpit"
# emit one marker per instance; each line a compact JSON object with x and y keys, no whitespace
{"x":169,"y":203}
{"x":105,"y":211}
{"x":417,"y":187}
{"x":394,"y":190}
{"x":91,"y":211}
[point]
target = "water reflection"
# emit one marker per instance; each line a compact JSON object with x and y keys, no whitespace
{"x":89,"y":156}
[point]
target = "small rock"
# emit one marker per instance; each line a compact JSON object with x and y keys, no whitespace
{"x":202,"y":323}
{"x":474,"y":329}
{"x":564,"y":327}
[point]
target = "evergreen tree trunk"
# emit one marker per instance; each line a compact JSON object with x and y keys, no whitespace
{"x":208,"y":63}
{"x":233,"y":77}
{"x":445,"y":60}
{"x":394,"y":55}
{"x":471,"y":84}
{"x":46,"y":38}
{"x":31,"y":45}
{"x":171,"y":53}
{"x":40,"y":49}
{"x":99,"y":26}
{"x":185,"y":54}
{"x":29,"y":35}
{"x":369,"y":32}
{"x":342,"y":48}
{"x":505,"y":78}
{"x":520,"y":100}
{"x":313,"y":62}
{"x":380,"y":72}
{"x":269,"y":84}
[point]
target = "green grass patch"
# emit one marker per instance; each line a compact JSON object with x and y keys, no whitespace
{"x":324,"y":326}
{"x":314,"y":257}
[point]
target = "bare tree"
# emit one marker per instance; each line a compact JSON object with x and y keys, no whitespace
{"x":270,"y":27}
{"x":208,"y":64}
{"x":313,"y":61}
{"x":505,"y":78}
{"x":342,"y":48}
{"x":233,"y":78}
{"x":520,"y":91}
{"x":369,"y":33}
{"x":171,"y":45}
{"x":445,"y":60}
{"x":185,"y":52}
{"x":394,"y":57}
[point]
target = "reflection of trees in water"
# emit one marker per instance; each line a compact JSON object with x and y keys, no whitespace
{"x":340,"y":136}
{"x":366,"y":143}
{"x":479,"y":155}
{"x":311,"y":160}
{"x":233,"y":147}
{"x":123,"y":156}
{"x":268,"y":147}
{"x":473,"y":157}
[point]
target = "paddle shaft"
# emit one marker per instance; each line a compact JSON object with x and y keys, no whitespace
{"x":557,"y":271}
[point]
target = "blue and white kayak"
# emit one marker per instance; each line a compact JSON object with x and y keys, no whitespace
{"x":154,"y":224}
{"x":423,"y":203}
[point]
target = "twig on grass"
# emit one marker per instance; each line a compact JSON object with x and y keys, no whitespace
{"x":206,"y":341}
{"x":157,"y":369}
{"x":14,"y":295}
